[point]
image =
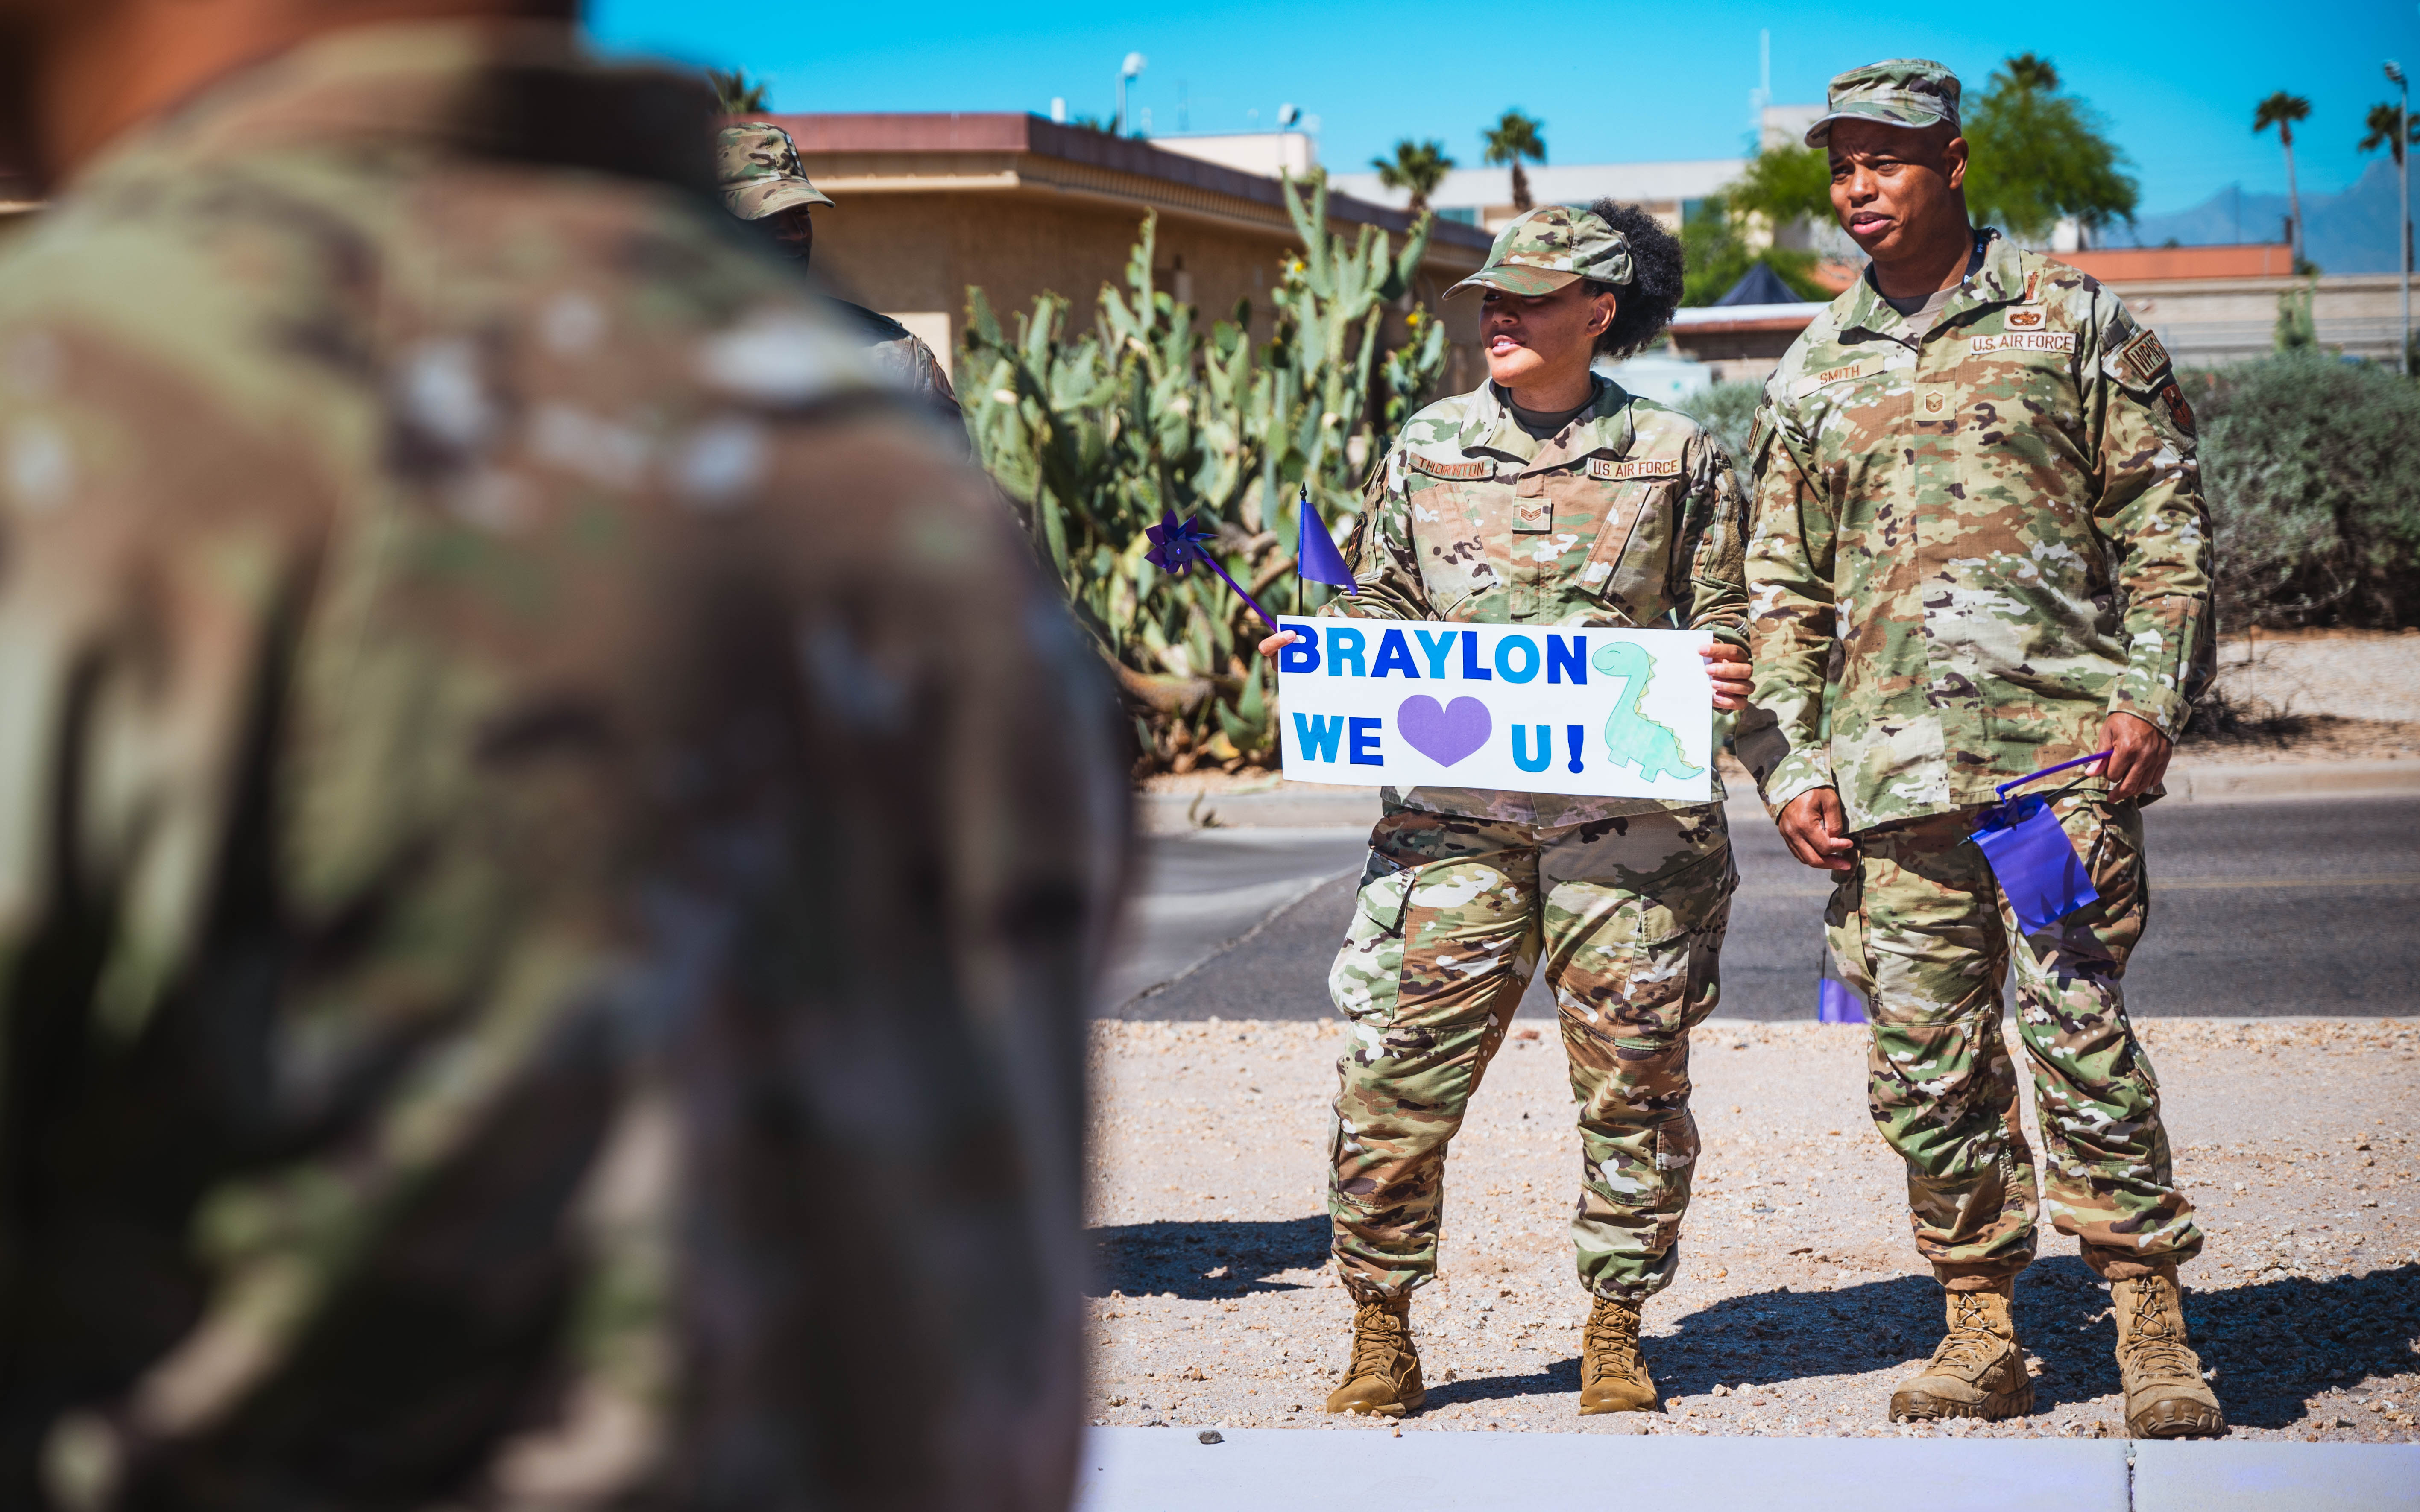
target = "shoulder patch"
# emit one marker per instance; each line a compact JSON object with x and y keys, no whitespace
{"x":2179,"y":410}
{"x":2141,"y":360}
{"x":1646,"y":466}
{"x":1456,"y":471}
{"x":2023,"y":341}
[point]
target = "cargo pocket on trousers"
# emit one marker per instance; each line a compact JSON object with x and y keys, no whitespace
{"x":1844,"y":935}
{"x":1364,"y":981}
{"x":1676,"y":1155}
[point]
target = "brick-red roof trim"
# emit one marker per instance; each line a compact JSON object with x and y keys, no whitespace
{"x":1010,"y":131}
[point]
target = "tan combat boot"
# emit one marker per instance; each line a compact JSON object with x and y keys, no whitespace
{"x":1384,"y":1379}
{"x":2165,"y":1397}
{"x":1977,"y":1371}
{"x":1613,"y":1379}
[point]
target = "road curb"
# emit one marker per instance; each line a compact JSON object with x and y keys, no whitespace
{"x":1295,"y":1470}
{"x":1294,"y":807}
{"x":2272,"y":781}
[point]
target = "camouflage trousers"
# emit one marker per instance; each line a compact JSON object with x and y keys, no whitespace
{"x":1454,"y":915}
{"x":1920,"y":928}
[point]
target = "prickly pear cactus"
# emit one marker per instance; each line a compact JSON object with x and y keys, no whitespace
{"x":1094,"y":435}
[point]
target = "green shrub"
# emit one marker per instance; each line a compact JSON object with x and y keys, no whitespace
{"x":1728,"y":410}
{"x":2314,"y":487}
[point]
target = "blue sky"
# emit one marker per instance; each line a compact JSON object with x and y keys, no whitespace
{"x":2176,"y":82}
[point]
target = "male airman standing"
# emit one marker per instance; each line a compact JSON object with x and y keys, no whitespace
{"x":1981,"y":551}
{"x":765,"y":184}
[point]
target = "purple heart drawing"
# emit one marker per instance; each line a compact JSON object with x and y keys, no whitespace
{"x":1445,"y":736}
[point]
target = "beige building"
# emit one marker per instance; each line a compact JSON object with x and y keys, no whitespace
{"x":1483,"y":196}
{"x":2213,"y":305}
{"x":2210,"y":306}
{"x":928,"y":205}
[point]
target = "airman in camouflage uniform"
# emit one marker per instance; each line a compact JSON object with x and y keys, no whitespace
{"x":762,"y":182}
{"x":1627,"y":514}
{"x":552,"y":843}
{"x":1980,"y":551}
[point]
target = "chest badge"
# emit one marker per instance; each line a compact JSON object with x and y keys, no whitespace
{"x":2025,"y":319}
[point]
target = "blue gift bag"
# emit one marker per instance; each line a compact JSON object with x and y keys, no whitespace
{"x":2031,"y":857}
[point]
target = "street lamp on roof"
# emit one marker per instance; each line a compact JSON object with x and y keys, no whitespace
{"x":1131,"y":68}
{"x":2403,"y":223}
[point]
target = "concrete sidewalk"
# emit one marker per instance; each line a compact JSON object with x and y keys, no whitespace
{"x":1301,"y":804}
{"x":1280,"y":1470}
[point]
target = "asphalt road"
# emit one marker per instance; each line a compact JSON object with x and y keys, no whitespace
{"x":2303,"y":906}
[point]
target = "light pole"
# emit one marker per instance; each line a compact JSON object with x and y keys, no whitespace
{"x":1131,"y":68}
{"x":2403,"y":223}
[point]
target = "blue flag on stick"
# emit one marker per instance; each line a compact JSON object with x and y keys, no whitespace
{"x":2032,"y":857}
{"x":1836,"y":1002}
{"x":1315,"y":555}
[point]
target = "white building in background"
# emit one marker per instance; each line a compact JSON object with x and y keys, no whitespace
{"x":1271,"y":154}
{"x":1662,"y":375}
{"x":1785,"y":126}
{"x":1483,"y":196}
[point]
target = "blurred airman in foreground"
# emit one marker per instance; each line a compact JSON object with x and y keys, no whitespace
{"x":552,"y":846}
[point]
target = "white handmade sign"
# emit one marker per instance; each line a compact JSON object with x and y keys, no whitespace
{"x":1407,"y":703}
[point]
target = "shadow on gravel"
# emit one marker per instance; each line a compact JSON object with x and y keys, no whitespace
{"x":1562,"y":1376}
{"x":1200,"y":1262}
{"x":1767,"y":1337}
{"x":2276,"y":1344}
{"x":2273,"y":1344}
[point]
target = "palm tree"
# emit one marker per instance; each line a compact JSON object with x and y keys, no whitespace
{"x":736,"y":94}
{"x":2383,"y":121}
{"x":1511,"y":139}
{"x":1418,"y":166}
{"x":2031,"y":70}
{"x":2283,"y":110}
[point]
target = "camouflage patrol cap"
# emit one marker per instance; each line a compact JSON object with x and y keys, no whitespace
{"x":1900,"y":91}
{"x":1548,"y":248}
{"x":758,"y":165}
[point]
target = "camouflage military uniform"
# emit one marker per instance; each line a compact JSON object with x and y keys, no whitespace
{"x":1971,"y":548}
{"x":550,"y":847}
{"x":1628,"y":517}
{"x":762,"y":176}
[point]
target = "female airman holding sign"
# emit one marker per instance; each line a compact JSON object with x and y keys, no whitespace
{"x":1547,"y":497}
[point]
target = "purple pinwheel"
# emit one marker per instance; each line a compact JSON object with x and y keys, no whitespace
{"x":1176,"y":545}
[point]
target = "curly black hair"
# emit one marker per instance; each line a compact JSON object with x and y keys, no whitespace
{"x":1643,"y":307}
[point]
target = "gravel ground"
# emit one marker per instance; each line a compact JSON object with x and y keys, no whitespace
{"x":1800,"y":1300}
{"x":2353,"y":674}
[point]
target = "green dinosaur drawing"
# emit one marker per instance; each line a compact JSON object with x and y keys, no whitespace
{"x":1632,"y":739}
